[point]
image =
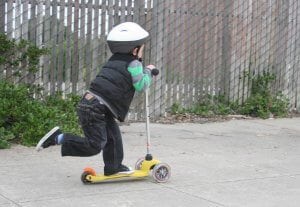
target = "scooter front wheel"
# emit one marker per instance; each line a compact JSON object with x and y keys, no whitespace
{"x":161,"y":172}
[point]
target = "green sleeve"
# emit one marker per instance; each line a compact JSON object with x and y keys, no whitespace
{"x":141,"y":78}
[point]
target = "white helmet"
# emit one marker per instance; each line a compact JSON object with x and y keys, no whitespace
{"x":124,"y":37}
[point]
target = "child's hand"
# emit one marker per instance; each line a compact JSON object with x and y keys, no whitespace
{"x":151,"y":67}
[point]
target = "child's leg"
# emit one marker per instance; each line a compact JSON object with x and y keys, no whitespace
{"x":113,"y":150}
{"x":93,"y":122}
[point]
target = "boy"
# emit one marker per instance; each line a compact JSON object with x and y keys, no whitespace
{"x":109,"y":97}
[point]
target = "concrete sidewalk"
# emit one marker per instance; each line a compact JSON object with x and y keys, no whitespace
{"x":238,"y":163}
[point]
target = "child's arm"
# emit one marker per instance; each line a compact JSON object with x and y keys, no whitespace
{"x":141,"y":78}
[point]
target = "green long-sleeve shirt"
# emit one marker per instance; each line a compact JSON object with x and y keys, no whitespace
{"x":141,"y":78}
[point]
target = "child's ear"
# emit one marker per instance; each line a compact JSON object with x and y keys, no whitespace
{"x":135,"y":51}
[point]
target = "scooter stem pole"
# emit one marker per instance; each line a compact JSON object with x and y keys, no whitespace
{"x":147,"y":119}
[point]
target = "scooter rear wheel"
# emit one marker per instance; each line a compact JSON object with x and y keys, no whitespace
{"x":84,"y":178}
{"x":161,"y":172}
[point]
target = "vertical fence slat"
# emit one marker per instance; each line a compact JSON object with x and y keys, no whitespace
{"x":75,"y":54}
{"x":169,"y":18}
{"x":289,"y":83}
{"x":69,"y":44}
{"x":33,"y":21}
{"x":164,"y":59}
{"x":129,"y":17}
{"x":226,"y":49}
{"x":123,"y":11}
{"x":96,"y":42}
{"x":110,"y":13}
{"x":160,"y":80}
{"x":2,"y":30}
{"x":47,"y":43}
{"x":53,"y":64}
{"x":200,"y":50}
{"x":116,"y":10}
{"x":82,"y":49}
{"x":39,"y":40}
{"x":9,"y":17}
{"x":185,"y":54}
{"x":2,"y":16}
{"x":103,"y":47}
{"x":10,"y":8}
{"x":295,"y":58}
{"x":61,"y":45}
{"x":296,"y":73}
{"x":25,"y":17}
{"x":88,"y":45}
{"x":18,"y":15}
{"x":31,"y":77}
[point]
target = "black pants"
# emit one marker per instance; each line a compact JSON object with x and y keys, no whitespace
{"x":101,"y":132}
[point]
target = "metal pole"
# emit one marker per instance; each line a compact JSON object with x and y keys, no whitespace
{"x":147,"y":119}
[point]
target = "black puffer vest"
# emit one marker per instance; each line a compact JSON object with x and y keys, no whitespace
{"x":114,"y":84}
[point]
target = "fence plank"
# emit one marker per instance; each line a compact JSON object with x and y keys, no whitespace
{"x":75,"y":56}
{"x":123,"y":11}
{"x":31,"y":77}
{"x":283,"y":23}
{"x":69,"y":43}
{"x":95,"y":43}
{"x":198,"y":51}
{"x":296,"y":72}
{"x":39,"y":40}
{"x":169,"y":18}
{"x":294,"y":79}
{"x":9,"y":23}
{"x":2,"y":30}
{"x":53,"y":63}
{"x":25,"y":17}
{"x":201,"y":50}
{"x":82,"y":50}
{"x":116,"y":11}
{"x":47,"y":42}
{"x":9,"y":33}
{"x":88,"y":45}
{"x":160,"y":80}
{"x":226,"y":49}
{"x":61,"y":46}
{"x":17,"y":27}
{"x":2,"y":17}
{"x":129,"y":17}
{"x":32,"y":21}
{"x":110,"y":9}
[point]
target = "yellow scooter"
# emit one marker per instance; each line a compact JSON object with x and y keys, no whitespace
{"x":144,"y":167}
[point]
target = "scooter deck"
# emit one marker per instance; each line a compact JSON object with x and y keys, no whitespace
{"x":137,"y":174}
{"x":90,"y":176}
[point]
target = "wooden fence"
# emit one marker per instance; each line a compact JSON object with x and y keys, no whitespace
{"x":201,"y":46}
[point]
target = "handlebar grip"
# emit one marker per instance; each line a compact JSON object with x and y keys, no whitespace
{"x":154,"y":72}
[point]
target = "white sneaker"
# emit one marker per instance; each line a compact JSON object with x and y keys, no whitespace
{"x":49,"y":139}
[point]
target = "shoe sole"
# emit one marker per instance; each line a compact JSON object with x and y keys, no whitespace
{"x":39,"y":145}
{"x":126,"y":172}
{"x":123,"y":172}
